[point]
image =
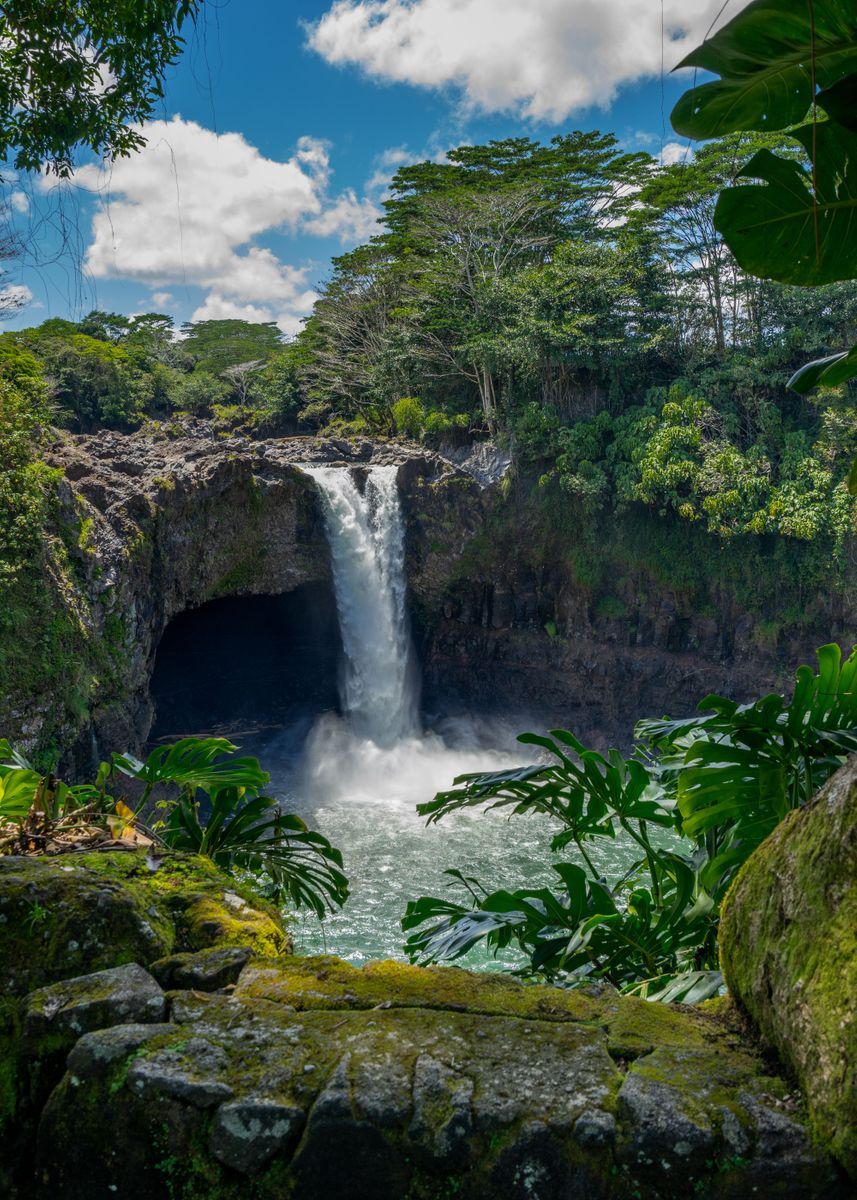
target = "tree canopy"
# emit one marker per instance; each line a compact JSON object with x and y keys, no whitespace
{"x":83,"y":73}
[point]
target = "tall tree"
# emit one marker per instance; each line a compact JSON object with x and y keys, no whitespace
{"x":219,"y":344}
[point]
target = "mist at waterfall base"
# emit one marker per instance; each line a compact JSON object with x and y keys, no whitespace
{"x":357,"y":774}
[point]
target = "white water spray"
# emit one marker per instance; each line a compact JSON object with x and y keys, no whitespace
{"x":366,"y":534}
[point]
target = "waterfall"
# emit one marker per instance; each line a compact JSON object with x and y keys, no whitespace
{"x":367,"y":547}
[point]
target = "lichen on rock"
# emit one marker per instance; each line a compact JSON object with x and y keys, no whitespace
{"x":76,"y":934}
{"x":274,"y":1078}
{"x":418,"y":1103}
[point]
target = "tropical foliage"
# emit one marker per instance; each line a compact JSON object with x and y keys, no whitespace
{"x":781,"y":62}
{"x":83,"y":74}
{"x":220,"y":812}
{"x":696,"y":797}
{"x":196,"y":795}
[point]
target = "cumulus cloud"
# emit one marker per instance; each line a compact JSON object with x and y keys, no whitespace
{"x":15,"y":295}
{"x":349,"y":218}
{"x":543,"y":59}
{"x":189,"y":208}
{"x":676,"y":152}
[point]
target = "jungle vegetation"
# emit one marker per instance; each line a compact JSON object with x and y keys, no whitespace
{"x":571,"y":300}
{"x":719,"y":782}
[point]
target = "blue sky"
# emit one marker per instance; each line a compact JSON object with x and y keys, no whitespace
{"x":283,"y":121}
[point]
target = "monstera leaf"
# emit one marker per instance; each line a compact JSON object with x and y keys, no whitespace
{"x":796,"y":226}
{"x":190,"y":763}
{"x":767,"y":58}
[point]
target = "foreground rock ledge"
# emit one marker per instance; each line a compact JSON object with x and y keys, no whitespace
{"x":309,"y":1078}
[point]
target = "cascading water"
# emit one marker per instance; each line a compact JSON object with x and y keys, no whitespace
{"x":367,"y":546}
{"x":357,"y":775}
{"x":363,"y":773}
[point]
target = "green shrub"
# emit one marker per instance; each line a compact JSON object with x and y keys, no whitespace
{"x":408,"y":416}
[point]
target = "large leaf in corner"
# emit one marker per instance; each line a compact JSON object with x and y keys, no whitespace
{"x":784,"y":228}
{"x":764,"y":59}
{"x":825,"y":372}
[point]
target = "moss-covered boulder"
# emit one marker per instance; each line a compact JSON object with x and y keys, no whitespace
{"x":76,"y":933}
{"x":314,"y":1079}
{"x":789,"y":953}
{"x":79,"y":913}
{"x":164,"y":1057}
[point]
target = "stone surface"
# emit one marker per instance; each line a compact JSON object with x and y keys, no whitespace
{"x":789,"y":953}
{"x":117,"y":996}
{"x":304,"y":1084}
{"x":246,"y":1134}
{"x":205,"y":970}
{"x":95,"y":1053}
{"x":76,"y":933}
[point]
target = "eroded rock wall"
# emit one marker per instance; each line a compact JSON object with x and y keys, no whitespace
{"x":594,"y":627}
{"x":156,"y":525}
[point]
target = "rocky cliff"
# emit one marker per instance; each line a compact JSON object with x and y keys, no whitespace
{"x":548,"y":621}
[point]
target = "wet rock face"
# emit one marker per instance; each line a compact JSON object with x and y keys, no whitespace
{"x":159,"y":522}
{"x":789,"y":953}
{"x":324,"y":1089}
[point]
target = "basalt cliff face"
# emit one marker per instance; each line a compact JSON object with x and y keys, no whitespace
{"x":155,"y":524}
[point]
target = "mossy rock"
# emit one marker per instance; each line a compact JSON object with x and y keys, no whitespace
{"x":634,"y":1026}
{"x":78,"y":913}
{"x":421,"y":1095}
{"x":66,"y":918}
{"x":789,"y":953}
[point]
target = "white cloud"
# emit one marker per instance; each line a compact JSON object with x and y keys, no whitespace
{"x":676,"y":152}
{"x":189,"y":208}
{"x":162,"y":299}
{"x":16,"y":295}
{"x":348,"y":218}
{"x":20,"y":202}
{"x":541,"y":58}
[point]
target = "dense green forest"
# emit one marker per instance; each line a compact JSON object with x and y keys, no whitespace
{"x":570,"y":300}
